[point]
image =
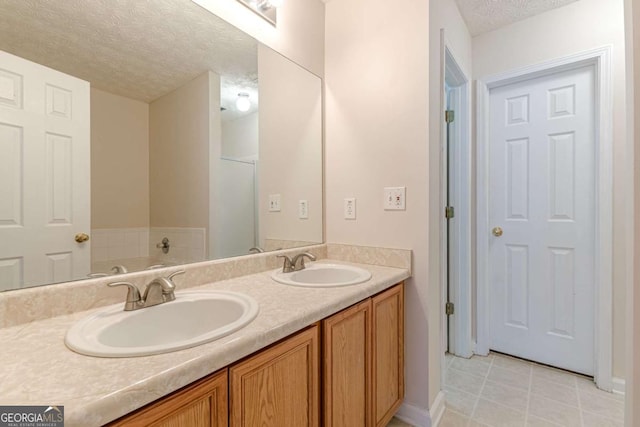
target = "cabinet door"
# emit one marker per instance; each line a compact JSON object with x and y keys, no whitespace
{"x":201,"y":404}
{"x":278,"y":386}
{"x":388,"y":353}
{"x":347,"y":367}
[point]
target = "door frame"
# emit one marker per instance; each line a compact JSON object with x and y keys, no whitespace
{"x":459,"y":240}
{"x":600,"y":58}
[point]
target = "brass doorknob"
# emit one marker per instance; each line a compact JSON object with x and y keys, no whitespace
{"x":81,"y":237}
{"x":497,"y":231}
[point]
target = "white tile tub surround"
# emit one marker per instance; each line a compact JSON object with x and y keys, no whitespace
{"x":118,"y":243}
{"x":102,"y":389}
{"x":186,"y":244}
{"x":503,"y":391}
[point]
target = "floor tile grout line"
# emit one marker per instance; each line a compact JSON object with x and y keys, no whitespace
{"x":575,"y":384}
{"x":473,"y":411}
{"x":526,"y":412}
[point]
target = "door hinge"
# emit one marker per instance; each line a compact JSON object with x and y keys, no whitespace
{"x":449,"y":116}
{"x":449,"y":212}
{"x":448,"y":308}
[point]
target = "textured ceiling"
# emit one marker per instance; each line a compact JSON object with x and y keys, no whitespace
{"x":482,"y":16}
{"x":140,"y":49}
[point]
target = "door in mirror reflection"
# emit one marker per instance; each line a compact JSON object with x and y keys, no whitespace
{"x":44,"y":174}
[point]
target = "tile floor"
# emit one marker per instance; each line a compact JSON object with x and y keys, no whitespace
{"x":498,"y":390}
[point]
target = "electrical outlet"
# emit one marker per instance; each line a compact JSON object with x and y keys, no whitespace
{"x":274,"y":203}
{"x":303,"y":209}
{"x":394,"y":198}
{"x":350,"y":208}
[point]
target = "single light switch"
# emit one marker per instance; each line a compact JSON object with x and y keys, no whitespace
{"x":303,"y":209}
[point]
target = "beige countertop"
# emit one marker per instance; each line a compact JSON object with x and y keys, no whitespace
{"x":38,"y":369}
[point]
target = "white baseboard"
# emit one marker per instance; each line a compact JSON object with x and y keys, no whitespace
{"x":619,"y":386}
{"x":419,"y":417}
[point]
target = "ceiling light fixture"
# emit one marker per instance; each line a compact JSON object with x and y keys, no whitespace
{"x":243,"y":103}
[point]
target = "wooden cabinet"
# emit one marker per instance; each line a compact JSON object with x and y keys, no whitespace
{"x":279,"y":386}
{"x":201,"y":404}
{"x":347,"y":367}
{"x":363,"y":360}
{"x":362,"y":377}
{"x":387,"y":378}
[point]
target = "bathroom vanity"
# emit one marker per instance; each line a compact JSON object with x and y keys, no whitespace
{"x":346,"y":370}
{"x":332,"y":353}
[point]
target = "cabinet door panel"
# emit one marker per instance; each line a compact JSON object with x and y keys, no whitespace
{"x":388,"y":353}
{"x":347,"y":367}
{"x":203,"y":403}
{"x":278,"y":386}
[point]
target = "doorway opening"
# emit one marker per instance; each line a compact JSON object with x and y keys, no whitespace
{"x":456,"y":251}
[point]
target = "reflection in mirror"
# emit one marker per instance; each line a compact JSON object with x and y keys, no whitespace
{"x":128,"y":127}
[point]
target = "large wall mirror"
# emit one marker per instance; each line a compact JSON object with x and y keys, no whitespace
{"x":135,"y":135}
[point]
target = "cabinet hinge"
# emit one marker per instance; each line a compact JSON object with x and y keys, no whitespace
{"x":448,"y":309}
{"x":449,"y":115}
{"x":449,"y":212}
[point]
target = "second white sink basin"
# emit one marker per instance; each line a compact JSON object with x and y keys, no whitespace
{"x":194,"y":318}
{"x":319,"y":275}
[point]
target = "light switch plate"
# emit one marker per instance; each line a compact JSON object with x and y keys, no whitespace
{"x":274,"y":203}
{"x":350,"y":208}
{"x":303,"y":209}
{"x":395,"y":198}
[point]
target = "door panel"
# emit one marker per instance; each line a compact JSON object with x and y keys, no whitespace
{"x":44,"y":174}
{"x":542,"y":194}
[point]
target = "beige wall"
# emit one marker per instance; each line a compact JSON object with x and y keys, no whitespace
{"x":240,"y":138}
{"x":580,"y":26}
{"x":119,"y":161}
{"x":377,"y":135}
{"x":179,"y":130}
{"x":632,"y":25}
{"x":299,"y":34}
{"x":290,"y":152}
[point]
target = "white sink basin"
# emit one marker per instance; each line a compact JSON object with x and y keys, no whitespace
{"x":320,"y":275}
{"x":194,"y":318}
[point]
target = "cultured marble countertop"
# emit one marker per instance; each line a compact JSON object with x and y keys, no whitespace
{"x":38,"y":369}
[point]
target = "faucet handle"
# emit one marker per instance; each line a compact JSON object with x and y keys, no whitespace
{"x":175,"y":273}
{"x":287,"y":267}
{"x":133,"y":294}
{"x":300,"y":266}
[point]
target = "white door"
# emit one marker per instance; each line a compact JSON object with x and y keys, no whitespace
{"x":44,"y":174}
{"x":542,"y":196}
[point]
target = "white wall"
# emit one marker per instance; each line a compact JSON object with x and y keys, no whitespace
{"x":580,"y":26}
{"x":290,"y":149}
{"x":377,"y":135}
{"x":180,"y":130}
{"x":299,"y":34}
{"x":119,"y":161}
{"x":240,"y":138}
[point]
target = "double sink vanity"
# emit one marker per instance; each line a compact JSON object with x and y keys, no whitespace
{"x":316,"y":345}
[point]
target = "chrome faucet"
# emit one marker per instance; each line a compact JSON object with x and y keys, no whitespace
{"x":296,"y":263}
{"x":287,"y":267}
{"x":256,"y":250}
{"x":158,"y":291}
{"x":297,"y":266}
